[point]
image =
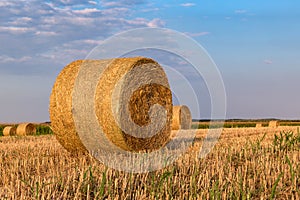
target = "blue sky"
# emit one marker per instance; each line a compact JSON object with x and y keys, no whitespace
{"x":255,"y":44}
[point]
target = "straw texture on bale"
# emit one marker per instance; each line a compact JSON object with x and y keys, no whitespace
{"x":9,"y":130}
{"x":60,"y":109}
{"x":26,"y":129}
{"x":259,"y":125}
{"x":182,"y":118}
{"x":125,"y":86}
{"x":273,"y":124}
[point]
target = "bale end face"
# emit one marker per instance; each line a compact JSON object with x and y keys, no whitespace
{"x":182,"y":118}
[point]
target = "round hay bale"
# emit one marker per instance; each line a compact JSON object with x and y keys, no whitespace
{"x":26,"y":129}
{"x":258,"y":125}
{"x":273,"y":124}
{"x":127,"y":101}
{"x":9,"y":130}
{"x":182,"y":118}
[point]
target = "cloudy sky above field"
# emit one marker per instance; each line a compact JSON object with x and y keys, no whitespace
{"x":255,"y":44}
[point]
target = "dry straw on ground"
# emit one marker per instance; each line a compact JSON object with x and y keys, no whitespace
{"x":125,"y":86}
{"x":182,"y":118}
{"x":273,"y":124}
{"x":9,"y":130}
{"x":26,"y":129}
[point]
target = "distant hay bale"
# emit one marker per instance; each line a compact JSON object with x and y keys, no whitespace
{"x":9,"y":130}
{"x":273,"y":124}
{"x":182,"y":118}
{"x":26,"y":129}
{"x":126,"y":85}
{"x":258,"y":125}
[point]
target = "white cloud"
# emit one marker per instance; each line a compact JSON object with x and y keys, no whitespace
{"x":81,"y":21}
{"x":142,"y":22}
{"x":93,"y":2}
{"x":69,"y":2}
{"x":46,"y":33}
{"x":92,"y":42}
{"x":8,"y":59}
{"x":5,"y":3}
{"x":197,"y":34}
{"x":150,"y":10}
{"x":268,"y":61}
{"x":21,"y":21}
{"x":156,"y":23}
{"x":87,"y":11}
{"x":15,"y":29}
{"x":84,"y":42}
{"x":115,"y":12}
{"x":111,"y":4}
{"x":122,"y":3}
{"x":240,"y":11}
{"x":187,"y":4}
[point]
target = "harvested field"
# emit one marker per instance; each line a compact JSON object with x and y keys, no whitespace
{"x":245,"y":163}
{"x":241,"y":123}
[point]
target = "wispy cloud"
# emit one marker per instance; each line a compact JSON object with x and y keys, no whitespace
{"x":46,"y":33}
{"x":121,"y":3}
{"x":87,"y":11}
{"x":156,"y":23}
{"x":197,"y":34}
{"x":69,"y":2}
{"x":21,"y":21}
{"x":8,"y":59}
{"x":93,"y":2}
{"x":150,"y":9}
{"x":5,"y":3}
{"x":15,"y":29}
{"x":268,"y":61}
{"x":187,"y":4}
{"x":240,"y":11}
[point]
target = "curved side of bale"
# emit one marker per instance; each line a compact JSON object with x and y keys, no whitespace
{"x":26,"y":129}
{"x":176,"y":119}
{"x":60,"y":109}
{"x":9,"y":130}
{"x":114,"y":73}
{"x":182,"y":118}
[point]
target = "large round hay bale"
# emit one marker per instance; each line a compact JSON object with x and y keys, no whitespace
{"x":126,"y":92}
{"x":182,"y":118}
{"x":26,"y":129}
{"x":9,"y":130}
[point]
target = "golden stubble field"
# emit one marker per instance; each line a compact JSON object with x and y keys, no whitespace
{"x":246,"y":163}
